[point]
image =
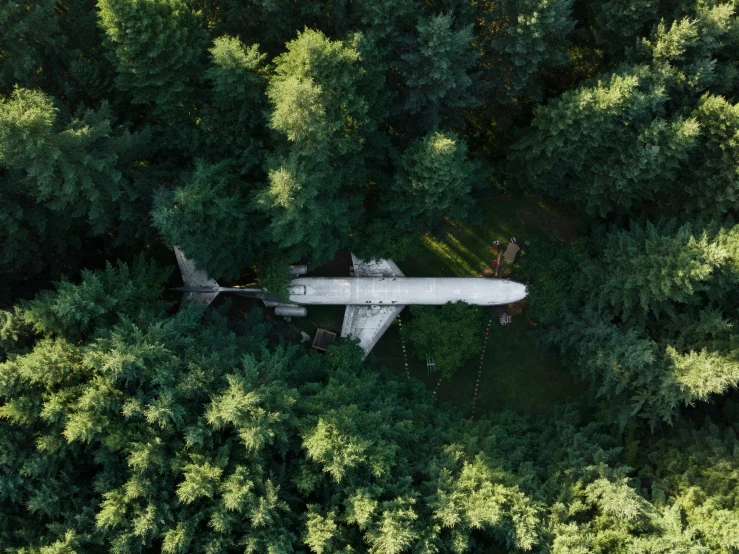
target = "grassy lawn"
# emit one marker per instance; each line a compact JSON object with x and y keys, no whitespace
{"x":515,"y":374}
{"x":464,"y":249}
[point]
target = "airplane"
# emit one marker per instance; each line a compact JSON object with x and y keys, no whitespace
{"x":374,"y":296}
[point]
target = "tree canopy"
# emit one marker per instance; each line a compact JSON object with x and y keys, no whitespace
{"x":256,"y":135}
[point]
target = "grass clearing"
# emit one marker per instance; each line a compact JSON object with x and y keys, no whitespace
{"x":515,"y":374}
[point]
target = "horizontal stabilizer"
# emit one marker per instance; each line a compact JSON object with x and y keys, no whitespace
{"x":194,"y":277}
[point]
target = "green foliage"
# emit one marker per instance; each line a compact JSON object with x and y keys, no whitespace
{"x":74,"y":169}
{"x":690,"y":470}
{"x":274,"y":275}
{"x":101,"y":298}
{"x":654,"y":269}
{"x":233,"y":122}
{"x":166,"y":430}
{"x":617,"y":122}
{"x":64,"y":179}
{"x":639,"y":135}
{"x":520,"y":38}
{"x":209,"y":218}
{"x":434,"y":181}
{"x":317,"y":107}
{"x":650,"y":319}
{"x":451,"y":334}
{"x":278,"y":131}
{"x":438,"y":70}
{"x":619,"y":24}
{"x":716,"y":159}
{"x":30,"y":31}
{"x":384,"y":238}
{"x":547,"y":266}
{"x":157,"y":48}
{"x":313,"y":91}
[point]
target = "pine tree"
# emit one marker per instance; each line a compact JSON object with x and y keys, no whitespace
{"x":66,"y":179}
{"x":639,"y":135}
{"x":31,"y":32}
{"x":312,"y":191}
{"x":450,"y":334}
{"x":439,"y":72}
{"x":434,"y":181}
{"x":209,"y":217}
{"x":649,"y":320}
{"x":712,"y":187}
{"x":652,"y":269}
{"x":157,"y":47}
{"x":606,"y":147}
{"x":519,"y":39}
{"x":233,"y":119}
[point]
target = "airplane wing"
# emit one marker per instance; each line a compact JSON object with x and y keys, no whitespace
{"x":368,"y":323}
{"x":375,"y":268}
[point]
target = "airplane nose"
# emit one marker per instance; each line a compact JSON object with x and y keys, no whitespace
{"x":520,"y":291}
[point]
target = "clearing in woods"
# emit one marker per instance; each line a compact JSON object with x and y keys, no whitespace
{"x":515,"y":374}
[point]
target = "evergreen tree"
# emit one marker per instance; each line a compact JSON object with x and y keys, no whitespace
{"x":157,"y":47}
{"x":438,"y":72}
{"x":650,"y":319}
{"x":655,"y":269}
{"x":606,"y":147}
{"x":65,"y":179}
{"x":74,"y":169}
{"x":30,"y":33}
{"x":451,"y":334}
{"x":210,"y":219}
{"x":434,"y":181}
{"x":637,"y":136}
{"x":520,"y":39}
{"x":312,"y":190}
{"x":233,"y":121}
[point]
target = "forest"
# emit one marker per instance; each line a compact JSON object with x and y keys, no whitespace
{"x":263,"y":133}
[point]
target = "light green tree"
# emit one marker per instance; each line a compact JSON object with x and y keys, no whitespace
{"x":312,"y":193}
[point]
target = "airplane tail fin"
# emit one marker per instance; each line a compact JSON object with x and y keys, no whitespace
{"x":195,"y":278}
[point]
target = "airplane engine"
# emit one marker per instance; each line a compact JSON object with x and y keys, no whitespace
{"x":298,"y":269}
{"x":291,"y":311}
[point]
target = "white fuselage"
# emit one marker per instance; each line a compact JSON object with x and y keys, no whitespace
{"x":403,"y":291}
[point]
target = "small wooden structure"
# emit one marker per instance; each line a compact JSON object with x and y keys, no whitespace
{"x":323,"y":339}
